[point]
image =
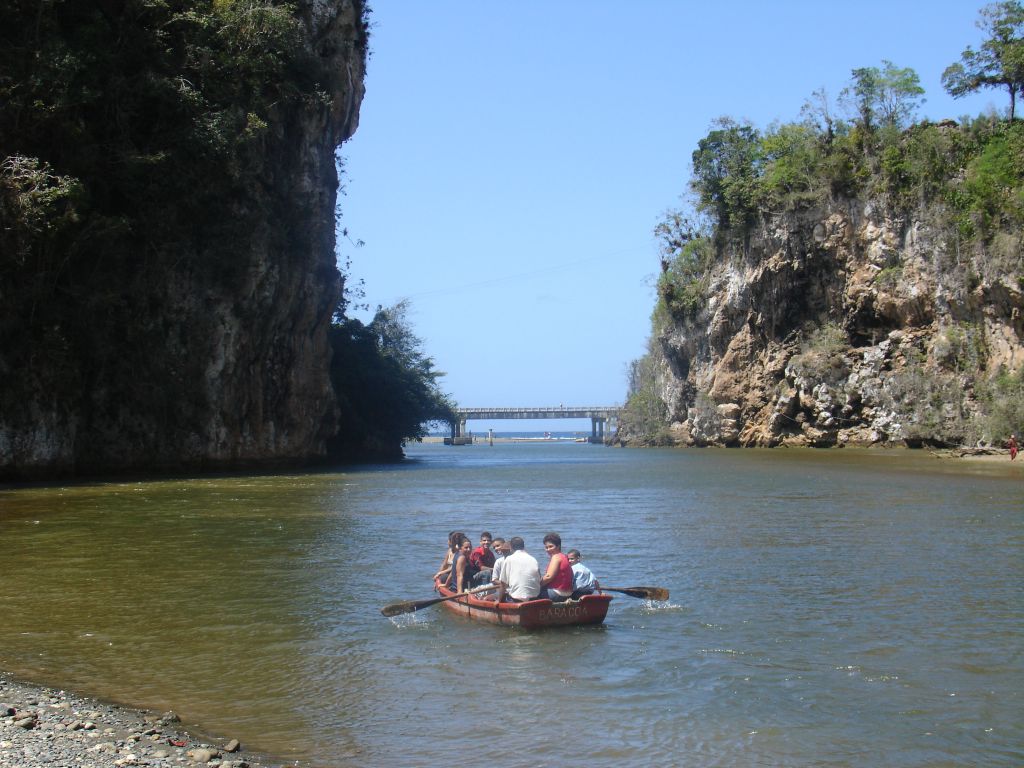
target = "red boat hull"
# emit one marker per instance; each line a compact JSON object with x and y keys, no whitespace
{"x":589,"y":609}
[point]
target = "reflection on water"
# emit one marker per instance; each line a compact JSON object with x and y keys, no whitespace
{"x":840,"y":608}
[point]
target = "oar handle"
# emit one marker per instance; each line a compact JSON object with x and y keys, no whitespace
{"x":411,"y":606}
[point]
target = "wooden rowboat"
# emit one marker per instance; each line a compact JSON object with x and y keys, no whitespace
{"x":589,"y":609}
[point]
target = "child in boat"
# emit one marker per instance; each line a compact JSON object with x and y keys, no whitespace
{"x":556,"y":583}
{"x":583,"y":581}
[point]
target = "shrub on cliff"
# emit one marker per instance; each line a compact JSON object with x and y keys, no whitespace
{"x":644,"y":417}
{"x":822,"y":356}
{"x":1002,"y":400}
{"x":687,"y":254}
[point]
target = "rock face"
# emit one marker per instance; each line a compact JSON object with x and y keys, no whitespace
{"x":845,"y":324}
{"x":219,"y":372}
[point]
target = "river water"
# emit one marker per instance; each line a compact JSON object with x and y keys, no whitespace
{"x":832,"y":608}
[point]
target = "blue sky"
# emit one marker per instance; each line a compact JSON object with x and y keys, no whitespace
{"x":513,"y":158}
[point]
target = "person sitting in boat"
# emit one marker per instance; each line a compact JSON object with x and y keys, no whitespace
{"x":501,"y":551}
{"x":454,"y":538}
{"x":483,"y":558}
{"x":583,"y":581}
{"x":461,"y":577}
{"x":556,"y":583}
{"x":520,"y":574}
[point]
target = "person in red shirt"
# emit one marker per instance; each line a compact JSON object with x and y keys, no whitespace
{"x":556,"y":583}
{"x":483,"y":558}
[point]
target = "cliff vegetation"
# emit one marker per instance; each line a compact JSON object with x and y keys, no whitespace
{"x":851,"y":277}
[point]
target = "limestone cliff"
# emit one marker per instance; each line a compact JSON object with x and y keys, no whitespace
{"x":198,"y":339}
{"x":844,"y":323}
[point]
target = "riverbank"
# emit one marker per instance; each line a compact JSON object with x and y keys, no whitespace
{"x":43,"y":727}
{"x":985,"y":454}
{"x":979,"y":455}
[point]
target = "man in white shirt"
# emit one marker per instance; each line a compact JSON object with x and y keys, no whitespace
{"x":520,"y":574}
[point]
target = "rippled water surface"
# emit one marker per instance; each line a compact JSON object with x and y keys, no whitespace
{"x":828,"y":608}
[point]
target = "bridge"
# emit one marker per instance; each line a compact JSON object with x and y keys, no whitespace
{"x":598,"y":415}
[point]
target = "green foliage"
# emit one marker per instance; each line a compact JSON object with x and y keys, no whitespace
{"x":960,"y":347}
{"x":726,"y":167}
{"x":929,"y":404}
{"x":993,"y":188}
{"x":1002,"y":406}
{"x":886,"y":96}
{"x":687,"y":255}
{"x":386,"y":387}
{"x":999,"y":63}
{"x":793,"y":166}
{"x":644,"y":414}
{"x":976,"y":170}
{"x":155,"y":108}
{"x":889,"y":277}
{"x":822,"y":355}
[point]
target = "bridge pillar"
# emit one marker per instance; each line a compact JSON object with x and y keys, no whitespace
{"x":597,"y":429}
{"x":458,"y":433}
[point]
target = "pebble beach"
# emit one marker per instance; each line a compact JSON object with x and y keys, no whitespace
{"x":48,"y":728}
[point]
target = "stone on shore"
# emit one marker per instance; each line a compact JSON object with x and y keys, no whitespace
{"x":42,"y":728}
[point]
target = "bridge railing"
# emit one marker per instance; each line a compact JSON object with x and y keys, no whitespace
{"x":552,"y":408}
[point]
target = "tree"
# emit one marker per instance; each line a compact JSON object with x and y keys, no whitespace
{"x":818,"y":115}
{"x":890,"y":94}
{"x":999,"y":63}
{"x":726,"y":167}
{"x":386,"y":387}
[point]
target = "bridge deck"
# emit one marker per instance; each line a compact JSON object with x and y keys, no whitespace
{"x":551,"y":412}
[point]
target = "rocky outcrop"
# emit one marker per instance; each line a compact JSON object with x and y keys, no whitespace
{"x":220,"y":358}
{"x":846,"y":324}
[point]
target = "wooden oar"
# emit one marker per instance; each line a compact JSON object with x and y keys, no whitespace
{"x":644,"y":593}
{"x":411,"y":606}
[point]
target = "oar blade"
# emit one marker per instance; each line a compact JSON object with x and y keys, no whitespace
{"x":409,"y":606}
{"x":652,"y":593}
{"x":643,"y":593}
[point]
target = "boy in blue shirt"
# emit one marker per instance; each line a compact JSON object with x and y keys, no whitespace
{"x":583,"y":581}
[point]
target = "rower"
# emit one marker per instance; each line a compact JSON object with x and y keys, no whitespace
{"x":462,"y":572}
